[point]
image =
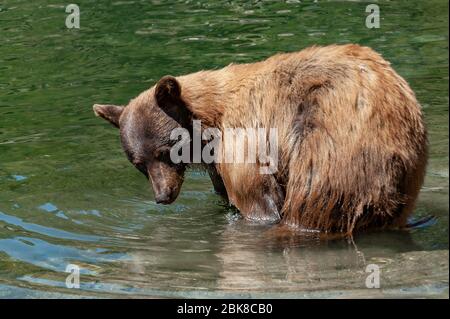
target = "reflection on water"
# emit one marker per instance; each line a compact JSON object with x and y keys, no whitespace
{"x":69,"y":196}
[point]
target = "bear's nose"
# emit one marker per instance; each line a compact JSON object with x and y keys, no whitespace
{"x":164,"y":198}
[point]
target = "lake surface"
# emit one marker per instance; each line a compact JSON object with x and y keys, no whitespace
{"x":68,"y":195}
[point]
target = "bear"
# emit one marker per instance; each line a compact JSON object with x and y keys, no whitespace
{"x":351,"y":139}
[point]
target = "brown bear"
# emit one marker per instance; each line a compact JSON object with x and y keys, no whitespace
{"x":352,"y":144}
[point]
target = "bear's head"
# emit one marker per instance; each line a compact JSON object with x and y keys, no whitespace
{"x":145,"y":126}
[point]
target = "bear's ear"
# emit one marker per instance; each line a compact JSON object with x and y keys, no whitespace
{"x":169,"y":99}
{"x":111,"y":113}
{"x":167,"y":89}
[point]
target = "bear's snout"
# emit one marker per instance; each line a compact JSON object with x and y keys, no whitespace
{"x":166,"y":182}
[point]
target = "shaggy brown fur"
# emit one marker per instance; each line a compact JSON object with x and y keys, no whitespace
{"x":351,"y":136}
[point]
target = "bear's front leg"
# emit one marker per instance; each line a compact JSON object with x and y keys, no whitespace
{"x":217,"y":181}
{"x":257,"y":196}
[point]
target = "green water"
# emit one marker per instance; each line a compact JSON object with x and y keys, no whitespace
{"x":69,"y":196}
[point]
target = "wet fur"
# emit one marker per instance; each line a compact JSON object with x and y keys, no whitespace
{"x":351,"y":136}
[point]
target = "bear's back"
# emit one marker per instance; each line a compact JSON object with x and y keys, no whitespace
{"x":351,"y":135}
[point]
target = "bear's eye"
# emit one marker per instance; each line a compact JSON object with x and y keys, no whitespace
{"x":141,"y":167}
{"x":163,"y":154}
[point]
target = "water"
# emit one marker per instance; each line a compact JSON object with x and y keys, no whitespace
{"x":69,"y":196}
